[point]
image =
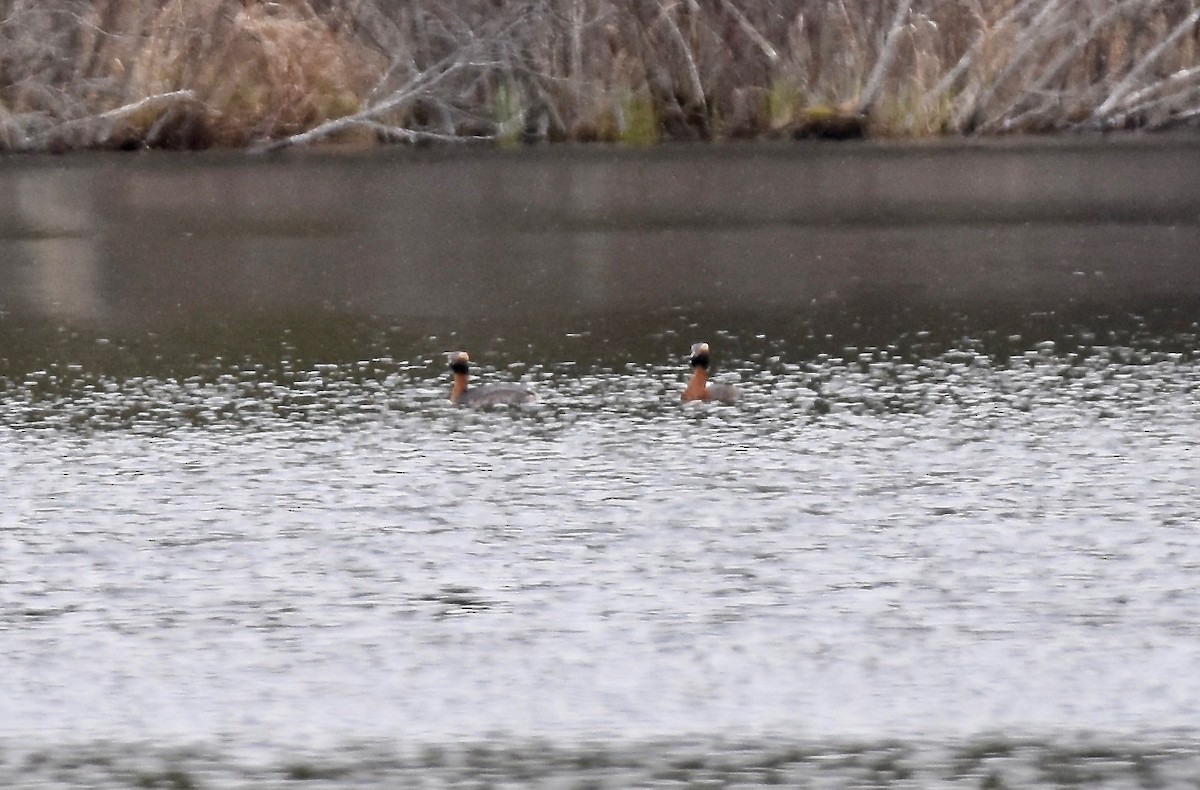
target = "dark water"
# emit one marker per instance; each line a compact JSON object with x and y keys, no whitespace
{"x":948,"y":537}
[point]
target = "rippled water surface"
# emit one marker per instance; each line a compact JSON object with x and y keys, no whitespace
{"x":949,"y":535}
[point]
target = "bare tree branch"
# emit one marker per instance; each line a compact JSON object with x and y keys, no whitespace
{"x":418,"y":86}
{"x":1047,"y":24}
{"x":1182,"y":96}
{"x":1124,"y":86}
{"x":968,"y":57}
{"x":1054,"y":70}
{"x":695,"y":84}
{"x":751,"y":32}
{"x":1183,"y":76}
{"x":886,"y":56}
{"x":464,"y":59}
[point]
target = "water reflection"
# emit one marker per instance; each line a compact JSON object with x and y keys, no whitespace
{"x":546,"y":238}
{"x":54,"y":222}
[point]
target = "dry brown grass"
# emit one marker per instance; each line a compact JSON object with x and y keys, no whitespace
{"x":190,"y":73}
{"x":182,"y":73}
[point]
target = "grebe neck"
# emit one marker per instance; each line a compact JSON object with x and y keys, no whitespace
{"x":697,"y":388}
{"x":460,"y":386}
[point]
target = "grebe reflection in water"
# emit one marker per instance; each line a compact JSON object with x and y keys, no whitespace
{"x":488,"y":395}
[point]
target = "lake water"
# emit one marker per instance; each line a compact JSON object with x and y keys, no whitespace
{"x":949,"y":536}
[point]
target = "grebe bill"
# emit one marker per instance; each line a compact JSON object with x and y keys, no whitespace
{"x":463,"y":394}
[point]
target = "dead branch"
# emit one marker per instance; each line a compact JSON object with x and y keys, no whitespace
{"x":886,"y":56}
{"x":464,"y":59}
{"x":420,"y":85}
{"x":163,"y":104}
{"x":751,"y":32}
{"x":402,"y":134}
{"x":1045,"y":25}
{"x":694,"y":82}
{"x":169,"y":98}
{"x":1124,"y":86}
{"x":1182,"y":96}
{"x":1179,"y":77}
{"x":1055,"y":69}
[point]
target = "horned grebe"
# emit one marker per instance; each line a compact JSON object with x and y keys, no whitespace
{"x":489,"y":395}
{"x":699,"y":388}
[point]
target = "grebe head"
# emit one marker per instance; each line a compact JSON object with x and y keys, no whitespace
{"x":700,"y":355}
{"x":458,"y":361}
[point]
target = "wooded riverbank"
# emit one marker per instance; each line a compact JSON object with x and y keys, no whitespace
{"x":205,"y":73}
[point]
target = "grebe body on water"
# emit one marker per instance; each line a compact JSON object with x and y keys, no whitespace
{"x":489,"y":395}
{"x":700,"y":388}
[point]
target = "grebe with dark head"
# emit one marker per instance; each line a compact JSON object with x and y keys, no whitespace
{"x":488,"y":395}
{"x":700,"y":388}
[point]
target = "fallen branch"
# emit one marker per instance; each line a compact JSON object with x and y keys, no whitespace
{"x":1054,"y":70}
{"x":1185,"y":75}
{"x":968,"y":57}
{"x":1188,"y":94}
{"x":1046,"y":24}
{"x":886,"y":56}
{"x":171,"y":97}
{"x":1189,"y":114}
{"x":415,"y":88}
{"x":751,"y":32}
{"x":108,"y":120}
{"x":419,"y":86}
{"x":694,"y":82}
{"x":417,"y":135}
{"x":1124,"y":86}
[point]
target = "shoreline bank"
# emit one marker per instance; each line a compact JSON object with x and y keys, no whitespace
{"x":226,"y":74}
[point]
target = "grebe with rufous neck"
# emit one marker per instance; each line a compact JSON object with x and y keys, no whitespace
{"x":700,"y":388}
{"x":463,"y":394}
